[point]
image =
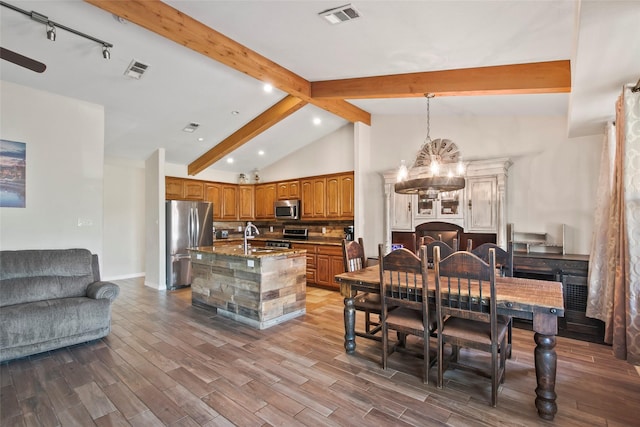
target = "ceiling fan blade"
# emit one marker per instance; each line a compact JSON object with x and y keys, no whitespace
{"x":21,"y":60}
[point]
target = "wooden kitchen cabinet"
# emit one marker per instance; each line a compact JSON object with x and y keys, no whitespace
{"x":289,"y":190}
{"x":246,"y":202}
{"x":328,"y":263}
{"x":229,"y":198}
{"x":313,"y":195}
{"x":311,"y":260}
{"x":340,"y":196}
{"x":183,"y":189}
{"x":213,"y":194}
{"x":173,"y":188}
{"x":193,"y":190}
{"x":265,"y":197}
{"x":224,"y":198}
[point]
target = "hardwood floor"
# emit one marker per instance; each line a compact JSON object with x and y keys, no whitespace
{"x":169,"y":363}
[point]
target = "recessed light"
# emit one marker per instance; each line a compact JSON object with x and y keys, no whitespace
{"x":317,"y":121}
{"x":261,"y":153}
{"x":200,"y":139}
{"x":268,"y":88}
{"x":229,"y":160}
{"x":235,"y":112}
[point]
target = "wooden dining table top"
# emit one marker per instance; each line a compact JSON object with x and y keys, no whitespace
{"x":513,"y":293}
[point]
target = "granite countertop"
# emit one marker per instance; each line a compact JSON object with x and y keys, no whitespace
{"x":328,"y":241}
{"x":237,"y":250}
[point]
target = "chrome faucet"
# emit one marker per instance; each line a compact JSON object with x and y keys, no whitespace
{"x":248,"y":234}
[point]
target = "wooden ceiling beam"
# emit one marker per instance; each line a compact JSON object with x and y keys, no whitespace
{"x":284,"y":108}
{"x":174,"y":25}
{"x":531,"y":78}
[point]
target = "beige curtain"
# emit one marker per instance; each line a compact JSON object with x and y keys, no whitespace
{"x":614,"y":276}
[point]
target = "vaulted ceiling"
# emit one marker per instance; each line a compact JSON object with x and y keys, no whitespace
{"x":208,"y":60}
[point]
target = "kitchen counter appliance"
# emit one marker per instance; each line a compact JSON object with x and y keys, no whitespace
{"x":287,"y":209}
{"x":295,"y":233}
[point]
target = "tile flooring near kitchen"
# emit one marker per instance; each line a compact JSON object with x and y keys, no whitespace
{"x":169,"y":363}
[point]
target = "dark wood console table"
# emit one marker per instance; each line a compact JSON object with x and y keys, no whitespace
{"x":572,"y":270}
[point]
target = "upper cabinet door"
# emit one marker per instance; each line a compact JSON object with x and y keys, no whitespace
{"x":265,"y":197}
{"x":193,"y":190}
{"x":229,"y":202}
{"x":246,"y":202}
{"x":347,"y":204}
{"x":213,"y":194}
{"x":481,"y":204}
{"x":333,"y":197}
{"x":173,"y":188}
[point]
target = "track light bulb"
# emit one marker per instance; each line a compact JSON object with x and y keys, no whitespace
{"x":106,"y":54}
{"x":51,"y":32}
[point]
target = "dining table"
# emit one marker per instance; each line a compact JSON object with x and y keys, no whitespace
{"x":540,"y":301}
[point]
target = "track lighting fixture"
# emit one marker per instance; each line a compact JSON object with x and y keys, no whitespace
{"x":51,"y":32}
{"x":52,"y":26}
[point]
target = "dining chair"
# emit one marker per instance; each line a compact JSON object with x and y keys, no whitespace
{"x":445,"y":250}
{"x":403,"y":282}
{"x":504,"y":263}
{"x":369,"y":303}
{"x":466,"y":314}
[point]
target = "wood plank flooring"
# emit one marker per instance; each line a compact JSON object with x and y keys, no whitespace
{"x":169,"y":363}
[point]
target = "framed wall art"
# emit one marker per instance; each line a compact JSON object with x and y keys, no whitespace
{"x":13,"y":167}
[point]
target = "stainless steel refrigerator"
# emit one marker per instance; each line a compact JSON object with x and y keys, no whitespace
{"x":189,"y":225}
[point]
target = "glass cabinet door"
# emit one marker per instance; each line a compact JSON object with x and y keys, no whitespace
{"x":427,"y":205}
{"x":450,"y":204}
{"x":439,"y":205}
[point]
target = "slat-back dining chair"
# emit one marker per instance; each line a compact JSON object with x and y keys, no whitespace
{"x":403,"y":282}
{"x":466,"y":313}
{"x":369,"y":303}
{"x":445,"y":250}
{"x":504,"y":263}
{"x":423,"y":241}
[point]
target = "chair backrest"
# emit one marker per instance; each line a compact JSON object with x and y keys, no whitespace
{"x":465,"y":287}
{"x":504,"y":259}
{"x":403,"y":279}
{"x":353,"y":255}
{"x":445,"y":250}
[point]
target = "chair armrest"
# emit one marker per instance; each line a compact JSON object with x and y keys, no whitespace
{"x":99,"y":290}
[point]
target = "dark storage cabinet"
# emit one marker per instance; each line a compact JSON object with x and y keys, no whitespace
{"x":572,"y":271}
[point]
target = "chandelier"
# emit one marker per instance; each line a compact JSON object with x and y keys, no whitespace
{"x":438,"y":167}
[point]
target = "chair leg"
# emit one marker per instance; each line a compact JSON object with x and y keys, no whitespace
{"x":367,"y":321}
{"x":440,"y":361}
{"x":385,"y":345}
{"x":426,"y":358}
{"x":494,"y":375}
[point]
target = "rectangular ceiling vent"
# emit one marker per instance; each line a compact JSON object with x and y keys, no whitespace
{"x":136,"y":69}
{"x":191,"y":127}
{"x":340,"y":14}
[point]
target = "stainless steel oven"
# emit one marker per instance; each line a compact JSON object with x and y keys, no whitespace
{"x":287,"y":209}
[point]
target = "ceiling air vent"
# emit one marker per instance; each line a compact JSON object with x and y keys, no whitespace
{"x":340,"y":14}
{"x":136,"y":69}
{"x":191,"y":127}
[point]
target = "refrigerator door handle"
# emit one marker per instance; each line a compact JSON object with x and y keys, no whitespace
{"x":197,"y":227}
{"x":190,"y":228}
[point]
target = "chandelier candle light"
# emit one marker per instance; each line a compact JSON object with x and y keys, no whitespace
{"x":438,"y":167}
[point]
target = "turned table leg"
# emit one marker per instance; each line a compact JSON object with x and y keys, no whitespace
{"x":546,"y":362}
{"x":349,"y":325}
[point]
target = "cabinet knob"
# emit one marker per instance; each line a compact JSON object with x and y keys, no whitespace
{"x":469,"y":204}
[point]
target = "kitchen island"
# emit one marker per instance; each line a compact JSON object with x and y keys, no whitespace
{"x":261,"y":288}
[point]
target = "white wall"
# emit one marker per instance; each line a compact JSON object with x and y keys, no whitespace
{"x":331,"y":154}
{"x":124,"y":219}
{"x":552,"y":180}
{"x":64,"y":177}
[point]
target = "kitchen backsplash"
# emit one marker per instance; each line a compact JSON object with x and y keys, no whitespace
{"x":273,"y":229}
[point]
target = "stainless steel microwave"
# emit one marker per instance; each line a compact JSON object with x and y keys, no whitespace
{"x":287,"y":209}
